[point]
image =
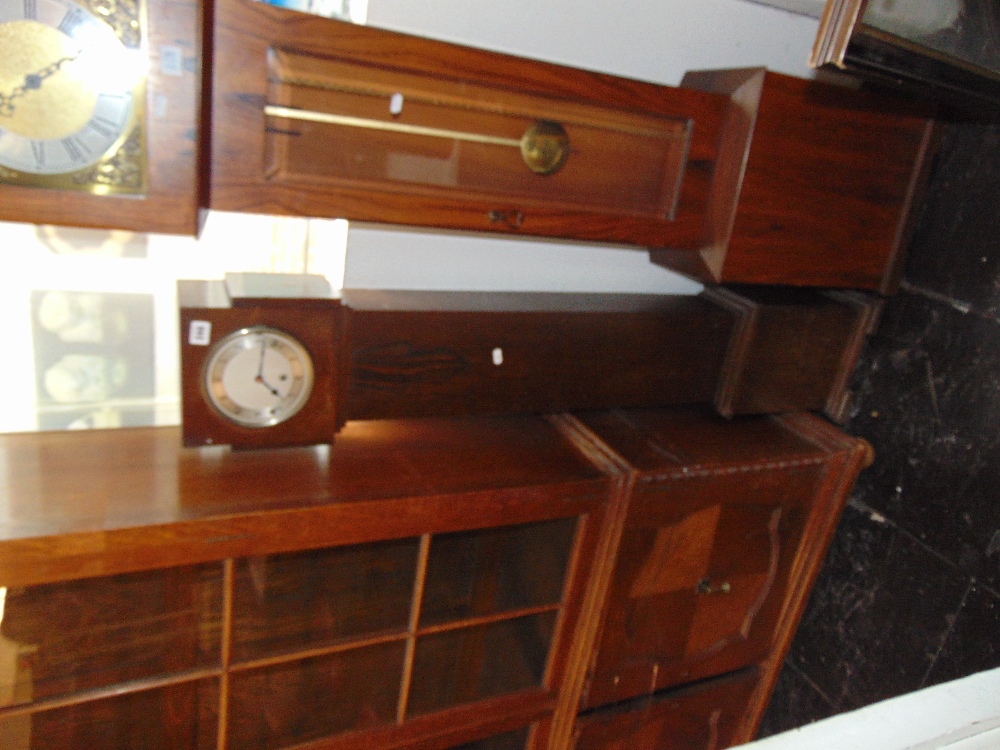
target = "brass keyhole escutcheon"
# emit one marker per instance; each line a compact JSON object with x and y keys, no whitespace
{"x":545,"y":147}
{"x":704,"y":586}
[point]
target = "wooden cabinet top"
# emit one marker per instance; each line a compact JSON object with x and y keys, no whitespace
{"x":78,"y":504}
{"x":663,"y":443}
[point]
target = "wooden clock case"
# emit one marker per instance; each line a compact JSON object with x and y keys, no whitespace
{"x":385,"y":355}
{"x":739,"y":176}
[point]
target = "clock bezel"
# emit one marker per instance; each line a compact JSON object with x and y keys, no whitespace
{"x":288,"y":405}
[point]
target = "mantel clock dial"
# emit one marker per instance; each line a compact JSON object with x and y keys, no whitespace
{"x":258,"y":376}
{"x":72,"y":90}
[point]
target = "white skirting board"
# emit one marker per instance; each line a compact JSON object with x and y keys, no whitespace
{"x":959,"y":715}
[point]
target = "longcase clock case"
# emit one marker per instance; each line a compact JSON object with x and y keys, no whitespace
{"x":735,"y":176}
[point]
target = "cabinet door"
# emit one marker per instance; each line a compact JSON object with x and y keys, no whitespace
{"x":386,"y":636}
{"x":702,"y":718}
{"x":700,"y":580}
{"x":322,"y":118}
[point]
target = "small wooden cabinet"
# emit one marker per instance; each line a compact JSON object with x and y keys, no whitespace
{"x":721,"y":536}
{"x":423,"y":583}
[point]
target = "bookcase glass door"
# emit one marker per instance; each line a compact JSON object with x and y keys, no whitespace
{"x":304,"y":645}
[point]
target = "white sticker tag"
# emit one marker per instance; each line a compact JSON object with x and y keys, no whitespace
{"x":498,"y":356}
{"x":171,"y":60}
{"x":396,"y":104}
{"x":200,"y":333}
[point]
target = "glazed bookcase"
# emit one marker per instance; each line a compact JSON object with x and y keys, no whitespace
{"x":431,"y":583}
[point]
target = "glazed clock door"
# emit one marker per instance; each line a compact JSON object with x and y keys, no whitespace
{"x":98,"y":113}
{"x":318,"y":117}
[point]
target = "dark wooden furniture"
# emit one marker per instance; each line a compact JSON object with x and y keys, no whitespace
{"x":418,"y":585}
{"x":639,"y":168}
{"x":388,"y":354}
{"x":737,"y":176}
{"x":423,"y":583}
{"x":720,"y":539}
{"x":821,"y":188}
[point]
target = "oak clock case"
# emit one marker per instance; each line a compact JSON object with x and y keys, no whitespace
{"x":99,"y":113}
{"x":383,"y":354}
{"x":317,"y":117}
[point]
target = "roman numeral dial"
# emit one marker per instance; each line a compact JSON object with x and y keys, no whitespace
{"x":68,"y":89}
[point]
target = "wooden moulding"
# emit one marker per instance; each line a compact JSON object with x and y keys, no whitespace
{"x":176,"y":159}
{"x":816,"y":184}
{"x":792,"y":349}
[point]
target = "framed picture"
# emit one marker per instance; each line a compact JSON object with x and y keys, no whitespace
{"x":947,"y":48}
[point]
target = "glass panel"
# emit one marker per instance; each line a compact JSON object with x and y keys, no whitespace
{"x":298,"y":701}
{"x":482,"y":572}
{"x":367,"y":125}
{"x":178,"y":716}
{"x":469,"y":664}
{"x":967,"y":31}
{"x":80,"y":635}
{"x":284,"y":603}
{"x":507,"y":741}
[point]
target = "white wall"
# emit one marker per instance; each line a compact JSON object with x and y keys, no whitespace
{"x":653,"y":40}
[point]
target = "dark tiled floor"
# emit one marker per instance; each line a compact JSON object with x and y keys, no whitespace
{"x":910,"y":593}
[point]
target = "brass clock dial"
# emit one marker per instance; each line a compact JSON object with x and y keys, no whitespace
{"x":71,"y":95}
{"x":258,"y":376}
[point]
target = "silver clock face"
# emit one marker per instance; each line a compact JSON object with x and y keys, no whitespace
{"x":258,"y":377}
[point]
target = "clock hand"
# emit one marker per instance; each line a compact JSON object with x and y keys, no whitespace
{"x":32,"y":82}
{"x":260,"y":372}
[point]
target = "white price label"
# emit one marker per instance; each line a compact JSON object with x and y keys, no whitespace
{"x":200,"y":333}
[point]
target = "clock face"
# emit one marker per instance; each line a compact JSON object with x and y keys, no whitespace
{"x":70,"y":94}
{"x":258,"y":377}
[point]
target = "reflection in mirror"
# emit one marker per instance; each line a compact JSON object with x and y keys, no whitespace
{"x":92,"y":315}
